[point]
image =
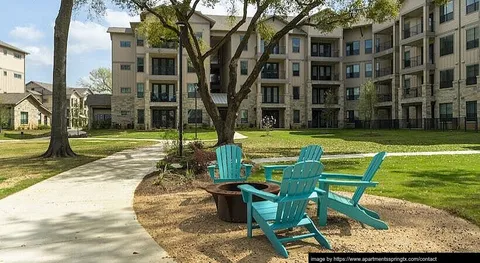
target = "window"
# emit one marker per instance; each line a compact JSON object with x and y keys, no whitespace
{"x":472,"y":38}
{"x":368,"y":70}
{"x":192,"y":90}
{"x":245,"y":48}
{"x":353,"y":93}
{"x":271,"y":95}
{"x":194,"y":116}
{"x":140,"y":64}
{"x":472,"y":73}
{"x":190,"y":68}
{"x":17,"y":76}
{"x":472,"y":6}
{"x":125,"y":44}
{"x":141,"y":116}
{"x":124,"y":113}
{"x":446,"y":78}
{"x":125,"y":67}
{"x":296,"y":69}
{"x":446,"y":45}
{"x":17,"y":55}
{"x":353,"y":48}
{"x":321,"y":50}
{"x":243,"y":67}
{"x":163,"y":66}
{"x":471,"y":110}
{"x":353,"y":71}
{"x":244,"y":116}
{"x":270,"y":71}
{"x":446,"y":111}
{"x":140,"y":90}
{"x":296,"y":93}
{"x":406,"y":59}
{"x":350,"y":116}
{"x":368,"y":46}
{"x":163,"y":92}
{"x":5,"y":52}
{"x":23,"y":117}
{"x":322,"y":73}
{"x":296,"y":45}
{"x":140,"y":42}
{"x":125,"y":90}
{"x":199,"y":35}
{"x":446,"y":12}
{"x":296,"y":116}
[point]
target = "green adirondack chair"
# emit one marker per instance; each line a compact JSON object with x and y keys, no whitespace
{"x":287,"y":209}
{"x":229,"y":164}
{"x":308,"y":153}
{"x":350,"y":206}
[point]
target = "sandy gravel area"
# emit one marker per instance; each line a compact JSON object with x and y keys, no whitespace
{"x":186,"y":225}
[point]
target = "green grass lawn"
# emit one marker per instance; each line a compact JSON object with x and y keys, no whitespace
{"x":288,"y":143}
{"x":20,"y":166}
{"x":447,"y":182}
{"x":27,"y":134}
{"x":189,"y":134}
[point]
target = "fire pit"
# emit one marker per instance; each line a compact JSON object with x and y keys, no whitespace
{"x":228,"y":199}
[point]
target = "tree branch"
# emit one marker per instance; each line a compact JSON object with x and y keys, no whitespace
{"x":230,"y":33}
{"x":193,"y":9}
{"x":151,"y":11}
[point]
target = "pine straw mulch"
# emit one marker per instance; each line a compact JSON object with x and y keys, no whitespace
{"x":182,"y":219}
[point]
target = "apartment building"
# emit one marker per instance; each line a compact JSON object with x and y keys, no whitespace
{"x":12,"y":69}
{"x":424,"y":65}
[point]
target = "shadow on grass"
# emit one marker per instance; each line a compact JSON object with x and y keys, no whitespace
{"x":24,"y":136}
{"x":442,"y":177}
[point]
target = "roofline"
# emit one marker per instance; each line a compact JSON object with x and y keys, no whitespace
{"x":13,"y":48}
{"x":38,"y":102}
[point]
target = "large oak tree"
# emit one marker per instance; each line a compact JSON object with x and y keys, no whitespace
{"x":324,"y":15}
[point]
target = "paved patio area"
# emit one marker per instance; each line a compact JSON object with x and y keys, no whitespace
{"x":82,"y":215}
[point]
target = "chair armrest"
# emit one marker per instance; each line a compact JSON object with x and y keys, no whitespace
{"x":342,"y":176}
{"x":250,"y":190}
{"x":211,"y":171}
{"x":347,"y":183}
{"x":319,"y":191}
{"x":274,"y":181}
{"x":248,"y":169}
{"x":276,"y":166}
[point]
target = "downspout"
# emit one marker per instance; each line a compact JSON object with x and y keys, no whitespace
{"x":460,"y":63}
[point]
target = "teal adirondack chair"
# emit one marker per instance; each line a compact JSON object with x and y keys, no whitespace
{"x":229,"y":164}
{"x":287,"y":209}
{"x":350,"y":206}
{"x":308,"y":153}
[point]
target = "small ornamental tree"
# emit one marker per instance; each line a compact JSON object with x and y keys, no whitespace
{"x":367,"y":101}
{"x":267,"y":123}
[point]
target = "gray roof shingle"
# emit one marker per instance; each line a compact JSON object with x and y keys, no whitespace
{"x":99,"y":100}
{"x":3,"y":44}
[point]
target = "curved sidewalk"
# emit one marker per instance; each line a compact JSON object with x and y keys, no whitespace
{"x":82,"y":215}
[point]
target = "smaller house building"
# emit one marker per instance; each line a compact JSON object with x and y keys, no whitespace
{"x":23,"y":111}
{"x":99,"y":111}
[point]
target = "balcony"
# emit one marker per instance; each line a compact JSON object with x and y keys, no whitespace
{"x":330,"y":56}
{"x":334,"y":77}
{"x":166,"y":48}
{"x":413,"y":62}
{"x":383,"y":72}
{"x":384,"y":97}
{"x":353,"y":97}
{"x":162,"y":97}
{"x":413,"y":92}
{"x":416,"y":33}
{"x":278,"y":52}
{"x":273,"y":76}
{"x":383,"y":46}
{"x":324,"y":100}
{"x":269,"y":99}
{"x":413,"y":31}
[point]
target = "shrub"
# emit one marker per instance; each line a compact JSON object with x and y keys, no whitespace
{"x":201,"y":159}
{"x":43,"y":127}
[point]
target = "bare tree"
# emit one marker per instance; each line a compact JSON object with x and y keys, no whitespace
{"x":99,"y":81}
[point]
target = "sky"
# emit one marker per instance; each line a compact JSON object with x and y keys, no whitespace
{"x":28,"y":24}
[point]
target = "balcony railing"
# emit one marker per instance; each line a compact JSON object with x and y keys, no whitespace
{"x":413,"y":62}
{"x":353,"y":97}
{"x":383,"y":46}
{"x":279,"y":99}
{"x":383,"y":72}
{"x":323,"y":100}
{"x":277,"y":50}
{"x":384,"y":97}
{"x":412,"y":31}
{"x":334,"y":77}
{"x":413,"y":92}
{"x":162,"y":97}
{"x":273,"y":74}
{"x":351,"y":75}
{"x":164,"y":71}
{"x":168,"y":45}
{"x":332,"y":53}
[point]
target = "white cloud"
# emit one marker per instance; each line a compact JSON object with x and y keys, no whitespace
{"x":119,"y":18}
{"x":29,"y":33}
{"x":87,"y":36}
{"x":39,"y":55}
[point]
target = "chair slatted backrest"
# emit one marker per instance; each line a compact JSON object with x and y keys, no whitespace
{"x":368,"y":175}
{"x":298,"y":183}
{"x":310,"y":153}
{"x":229,"y":161}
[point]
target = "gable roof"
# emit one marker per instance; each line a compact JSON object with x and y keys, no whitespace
{"x":223,"y":23}
{"x":119,"y":30}
{"x":3,"y":44}
{"x":99,"y":100}
{"x":70,"y":90}
{"x":17,"y":98}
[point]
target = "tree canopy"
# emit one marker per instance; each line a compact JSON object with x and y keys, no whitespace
{"x":99,"y":81}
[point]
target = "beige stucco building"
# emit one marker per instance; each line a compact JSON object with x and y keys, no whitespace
{"x":12,"y":69}
{"x":424,"y":65}
{"x":23,"y":111}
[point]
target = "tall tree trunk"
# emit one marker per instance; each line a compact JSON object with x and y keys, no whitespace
{"x":59,"y":145}
{"x":226,"y":128}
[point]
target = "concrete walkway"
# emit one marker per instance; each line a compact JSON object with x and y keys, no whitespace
{"x":363,"y":155}
{"x":82,"y":215}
